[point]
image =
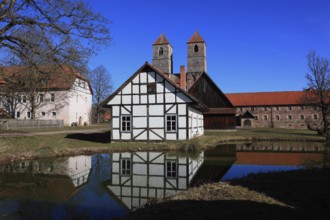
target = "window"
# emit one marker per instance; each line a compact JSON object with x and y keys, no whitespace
{"x":41,"y":97}
{"x":290,"y":108}
{"x":126,"y":123}
{"x":301,"y":107}
{"x":170,"y":123}
{"x":277,"y":117}
{"x":43,"y":113}
{"x":195,"y":48}
{"x":24,"y":99}
{"x":290,"y":117}
{"x":19,"y":99}
{"x":265,"y":117}
{"x":52,"y":97}
{"x":28,"y":115}
{"x":302,"y":117}
{"x":18,"y":114}
{"x":315,"y":116}
{"x":54,"y":114}
{"x":265,"y":108}
{"x":126,"y":166}
{"x":161,"y":51}
{"x":171,"y":167}
{"x":315,"y":107}
{"x":277,"y":108}
{"x":151,"y":87}
{"x":256,"y":117}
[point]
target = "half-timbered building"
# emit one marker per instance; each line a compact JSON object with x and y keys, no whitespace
{"x":149,"y":106}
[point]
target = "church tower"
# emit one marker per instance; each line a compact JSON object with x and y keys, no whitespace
{"x":162,"y":57}
{"x":196,"y":54}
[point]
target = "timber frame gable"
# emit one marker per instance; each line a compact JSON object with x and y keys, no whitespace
{"x":149,"y":106}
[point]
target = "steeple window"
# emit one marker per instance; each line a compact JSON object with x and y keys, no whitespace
{"x":195,"y":48}
{"x":161,"y":51}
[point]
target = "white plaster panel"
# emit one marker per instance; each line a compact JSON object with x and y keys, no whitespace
{"x":115,"y":179}
{"x":124,"y":111}
{"x":182,"y":109}
{"x":171,"y":157}
{"x":182,"y":122}
{"x":125,"y":155}
{"x":151,"y":77}
{"x":170,"y":136}
{"x":160,"y":159}
{"x":144,"y":192}
{"x":125,"y":136}
{"x":135,"y":202}
{"x":182,"y":183}
{"x":115,"y":156}
{"x":128,"y":108}
{"x":156,"y":169}
{"x":136,"y":79}
{"x":169,"y":87}
{"x":182,"y":134}
{"x":183,"y":160}
{"x":160,"y":98}
{"x":135,"y":89}
{"x":136,"y":99}
{"x":115,"y":134}
{"x":182,"y":98}
{"x":152,"y":193}
{"x":140,"y":110}
{"x":172,"y":181}
{"x":156,"y":110}
{"x":139,"y":181}
{"x":172,"y":110}
{"x":115,"y":167}
{"x":154,"y":137}
{"x":139,"y":122}
{"x":169,"y":98}
{"x":143,"y":89}
{"x":115,"y":122}
{"x":140,"y":169}
{"x":126,"y":191}
{"x":124,"y":179}
{"x":156,"y":181}
{"x":136,"y":191}
{"x":143,"y":155}
{"x":156,"y":122}
{"x":137,"y":131}
{"x":160,"y":88}
{"x":115,"y":110}
{"x":127,"y":99}
{"x":182,"y":171}
{"x":127,"y":89}
{"x":160,"y":132}
{"x":137,"y":159}
{"x":159,"y":78}
{"x":143,"y":136}
{"x":144,"y":99}
{"x":115,"y":100}
{"x":114,"y":189}
{"x":170,"y":192}
{"x":152,"y":98}
{"x":127,"y":201}
{"x":153,"y":155}
{"x":143,"y":77}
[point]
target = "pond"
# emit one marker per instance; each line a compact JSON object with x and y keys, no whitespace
{"x":107,"y":186}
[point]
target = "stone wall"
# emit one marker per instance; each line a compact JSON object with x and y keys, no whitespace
{"x":293,"y":116}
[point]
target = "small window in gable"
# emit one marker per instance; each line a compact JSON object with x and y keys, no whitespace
{"x":161,"y":51}
{"x":151,"y":87}
{"x":195,"y":48}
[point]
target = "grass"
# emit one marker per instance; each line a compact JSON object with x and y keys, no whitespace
{"x":25,"y":147}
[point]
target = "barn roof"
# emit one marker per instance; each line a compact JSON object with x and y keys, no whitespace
{"x":266,"y":98}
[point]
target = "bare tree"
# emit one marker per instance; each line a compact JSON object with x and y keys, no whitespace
{"x":318,"y":85}
{"x":102,"y":86}
{"x":39,"y":33}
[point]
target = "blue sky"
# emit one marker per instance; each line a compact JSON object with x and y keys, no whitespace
{"x":252,"y":45}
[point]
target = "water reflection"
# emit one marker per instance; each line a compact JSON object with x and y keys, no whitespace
{"x":110,"y":185}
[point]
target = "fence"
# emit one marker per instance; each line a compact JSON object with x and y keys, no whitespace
{"x":12,"y":124}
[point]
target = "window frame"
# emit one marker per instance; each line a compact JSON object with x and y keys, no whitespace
{"x":151,"y":88}
{"x":171,"y":121}
{"x":126,"y":123}
{"x":169,"y":171}
{"x":126,"y":170}
{"x":52,"y":97}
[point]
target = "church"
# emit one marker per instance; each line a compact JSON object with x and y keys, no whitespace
{"x":156,"y":104}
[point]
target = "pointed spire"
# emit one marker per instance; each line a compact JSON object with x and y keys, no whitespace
{"x":161,"y":40}
{"x":196,"y":38}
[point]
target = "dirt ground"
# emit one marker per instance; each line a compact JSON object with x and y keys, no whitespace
{"x":301,"y":194}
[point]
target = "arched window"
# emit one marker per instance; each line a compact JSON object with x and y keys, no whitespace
{"x":161,"y":51}
{"x":195,"y":48}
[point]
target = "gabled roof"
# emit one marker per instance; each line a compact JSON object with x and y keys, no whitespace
{"x":196,"y":38}
{"x":161,"y":40}
{"x":266,"y":98}
{"x":63,"y":76}
{"x":148,"y":68}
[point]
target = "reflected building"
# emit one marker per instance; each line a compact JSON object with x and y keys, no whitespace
{"x":59,"y":178}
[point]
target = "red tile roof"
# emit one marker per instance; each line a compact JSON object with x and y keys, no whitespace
{"x":196,"y":38}
{"x":161,"y":40}
{"x":266,"y":98}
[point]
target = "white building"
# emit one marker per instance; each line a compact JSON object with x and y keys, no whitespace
{"x":138,"y":177}
{"x":68,"y":97}
{"x":149,"y":106}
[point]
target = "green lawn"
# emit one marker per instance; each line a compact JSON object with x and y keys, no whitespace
{"x":24,"y":147}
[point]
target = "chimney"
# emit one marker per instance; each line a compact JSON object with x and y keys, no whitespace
{"x":183,"y":78}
